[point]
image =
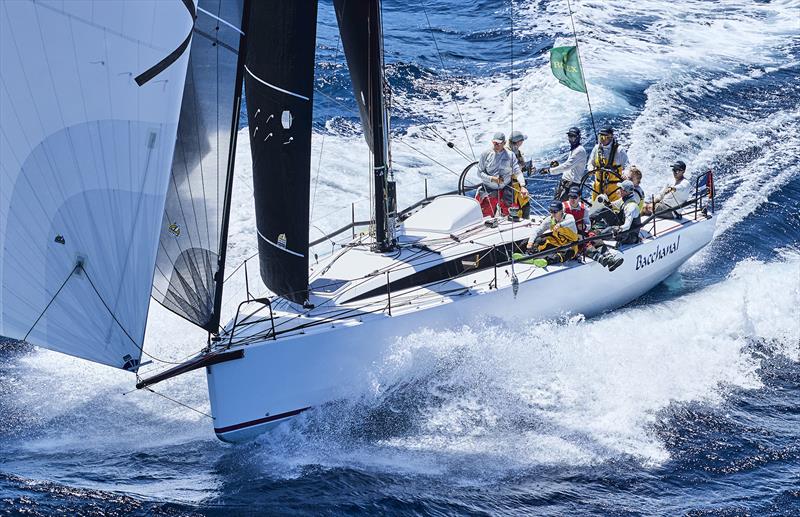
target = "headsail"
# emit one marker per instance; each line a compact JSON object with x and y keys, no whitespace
{"x":194,"y":215}
{"x":362,"y":38}
{"x":86,"y":154}
{"x":279,"y":88}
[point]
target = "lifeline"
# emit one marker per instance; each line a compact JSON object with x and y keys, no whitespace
{"x":658,"y":254}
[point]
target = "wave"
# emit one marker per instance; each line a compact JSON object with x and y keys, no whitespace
{"x":491,"y":400}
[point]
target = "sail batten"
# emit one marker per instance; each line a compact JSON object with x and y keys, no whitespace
{"x":279,"y":81}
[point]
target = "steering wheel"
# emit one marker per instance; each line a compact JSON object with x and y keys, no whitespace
{"x":462,"y":179}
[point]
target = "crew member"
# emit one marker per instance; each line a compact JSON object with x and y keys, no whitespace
{"x":635,"y":175}
{"x":575,"y":207}
{"x":556,"y":231}
{"x":521,"y":202}
{"x":607,"y":161}
{"x":627,"y":232}
{"x":673,"y":195}
{"x":572,"y":169}
{"x":496,"y":167}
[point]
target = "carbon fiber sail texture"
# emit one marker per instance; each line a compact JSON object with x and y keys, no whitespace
{"x":192,"y":229}
{"x":279,"y":86}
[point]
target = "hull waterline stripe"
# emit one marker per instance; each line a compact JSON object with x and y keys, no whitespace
{"x":287,"y":250}
{"x":271,"y":418}
{"x":262,"y":81}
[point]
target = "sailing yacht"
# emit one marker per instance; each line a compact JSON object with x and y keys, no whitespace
{"x":118,"y":183}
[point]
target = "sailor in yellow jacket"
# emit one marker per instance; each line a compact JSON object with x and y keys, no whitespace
{"x":556,"y":231}
{"x":608,"y":160}
{"x":521,"y":198}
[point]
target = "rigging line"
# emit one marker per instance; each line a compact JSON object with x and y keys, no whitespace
{"x":51,"y":300}
{"x":436,"y":44}
{"x":580,"y":62}
{"x":239,"y":266}
{"x":428,"y":157}
{"x":114,"y":317}
{"x":322,"y":145}
{"x":151,"y":390}
{"x":450,"y":144}
{"x":334,"y":100}
{"x":511,"y":18}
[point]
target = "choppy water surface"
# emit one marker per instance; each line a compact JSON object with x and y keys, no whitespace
{"x":684,"y":402}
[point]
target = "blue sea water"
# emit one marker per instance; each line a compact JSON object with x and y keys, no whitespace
{"x":685,"y":402}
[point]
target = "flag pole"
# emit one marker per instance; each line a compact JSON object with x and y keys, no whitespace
{"x":583,"y":74}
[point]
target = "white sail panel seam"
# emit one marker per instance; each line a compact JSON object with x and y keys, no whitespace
{"x":275,"y":87}
{"x":287,"y":250}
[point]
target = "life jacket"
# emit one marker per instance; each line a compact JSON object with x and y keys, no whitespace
{"x":520,"y":199}
{"x":601,"y":163}
{"x":566,"y":233}
{"x":639,"y":192}
{"x":606,"y":182}
{"x":633,"y":235}
{"x":578,"y":213}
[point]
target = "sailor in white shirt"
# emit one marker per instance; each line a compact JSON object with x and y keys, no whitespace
{"x":572,"y":169}
{"x":496,"y":168}
{"x":673,"y":195}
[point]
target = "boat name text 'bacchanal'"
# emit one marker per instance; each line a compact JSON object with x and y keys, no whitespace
{"x":645,"y":260}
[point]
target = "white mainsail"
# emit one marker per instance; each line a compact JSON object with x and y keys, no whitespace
{"x":85,"y":157}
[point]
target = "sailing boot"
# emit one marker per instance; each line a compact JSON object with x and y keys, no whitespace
{"x":615,"y":262}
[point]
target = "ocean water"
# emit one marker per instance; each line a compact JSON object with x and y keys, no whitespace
{"x":685,"y":402}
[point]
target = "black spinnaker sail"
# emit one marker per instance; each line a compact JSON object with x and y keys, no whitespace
{"x":279,"y":86}
{"x":194,"y":229}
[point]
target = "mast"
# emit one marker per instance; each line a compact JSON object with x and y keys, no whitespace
{"x":219,"y":276}
{"x":385,"y":194}
{"x":361,"y":27}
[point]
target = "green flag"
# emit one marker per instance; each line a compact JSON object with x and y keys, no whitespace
{"x":567,"y":69}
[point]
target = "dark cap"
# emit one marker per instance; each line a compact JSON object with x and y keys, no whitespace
{"x":608,"y":130}
{"x":679,"y":166}
{"x":555,"y":206}
{"x":574,"y":192}
{"x":574,"y":131}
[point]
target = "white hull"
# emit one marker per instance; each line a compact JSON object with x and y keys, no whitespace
{"x":277,"y":379}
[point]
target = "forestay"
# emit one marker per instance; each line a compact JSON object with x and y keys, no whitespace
{"x":86,"y":155}
{"x":189,"y":245}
